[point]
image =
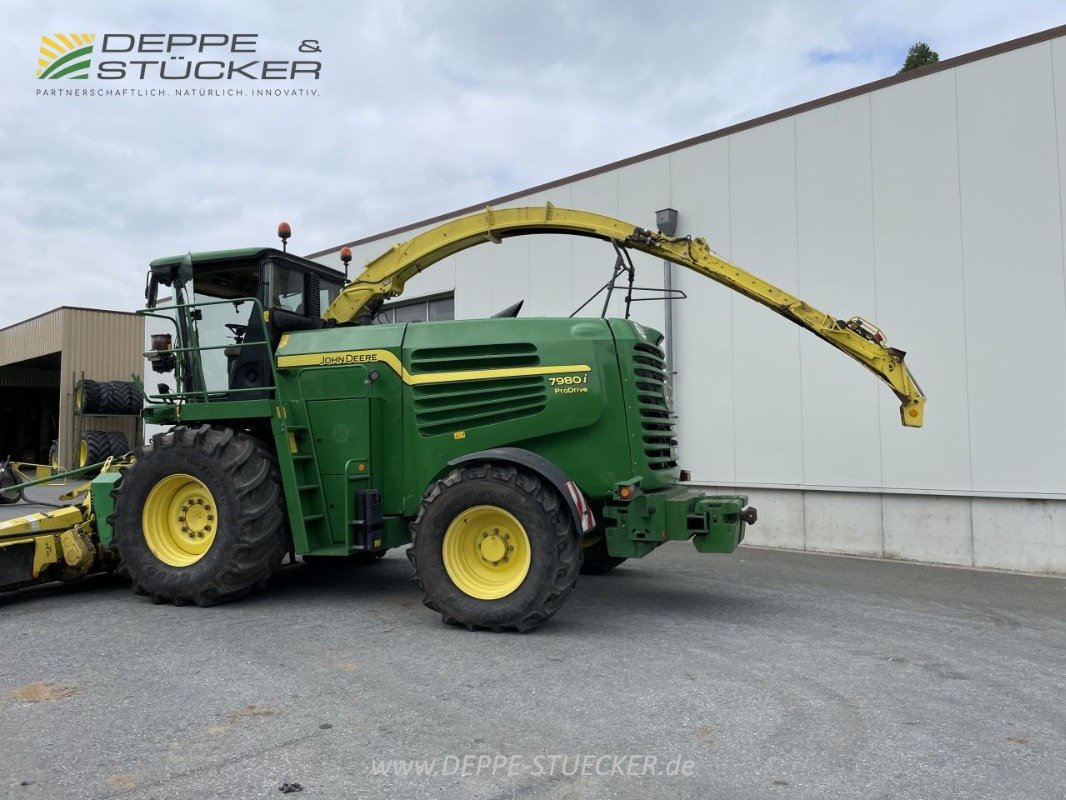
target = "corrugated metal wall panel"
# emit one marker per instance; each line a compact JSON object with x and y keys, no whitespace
{"x":34,"y":337}
{"x":947,"y":233}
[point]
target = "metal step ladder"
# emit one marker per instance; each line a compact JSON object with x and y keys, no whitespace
{"x":295,"y":438}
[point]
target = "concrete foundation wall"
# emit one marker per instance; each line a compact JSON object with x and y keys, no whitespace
{"x":992,"y":532}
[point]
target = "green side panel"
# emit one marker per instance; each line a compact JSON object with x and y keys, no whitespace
{"x":354,"y":416}
{"x":103,"y":504}
{"x":575,"y":418}
{"x":405,"y":400}
{"x":395,"y":532}
{"x":343,"y":339}
{"x":341,"y":429}
{"x":175,"y":414}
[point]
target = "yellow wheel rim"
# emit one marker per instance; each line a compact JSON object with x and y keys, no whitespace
{"x":486,"y":552}
{"x":79,"y":397}
{"x":179,"y":520}
{"x":83,"y":453}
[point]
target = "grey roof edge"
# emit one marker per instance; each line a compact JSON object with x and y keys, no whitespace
{"x":66,"y":308}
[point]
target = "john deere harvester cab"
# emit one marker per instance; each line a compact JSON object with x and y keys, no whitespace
{"x":235,"y":305}
{"x":509,"y":453}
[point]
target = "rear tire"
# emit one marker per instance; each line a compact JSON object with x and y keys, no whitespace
{"x":199,"y":517}
{"x":471,"y":525}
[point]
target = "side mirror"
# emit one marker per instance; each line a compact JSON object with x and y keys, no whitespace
{"x":185,"y":271}
{"x":151,"y":291}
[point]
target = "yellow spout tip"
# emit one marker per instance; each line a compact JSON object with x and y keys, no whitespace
{"x":912,"y":414}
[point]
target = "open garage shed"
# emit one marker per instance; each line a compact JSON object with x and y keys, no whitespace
{"x":41,"y":361}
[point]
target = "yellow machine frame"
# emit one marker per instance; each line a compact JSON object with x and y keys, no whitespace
{"x":386,"y":275}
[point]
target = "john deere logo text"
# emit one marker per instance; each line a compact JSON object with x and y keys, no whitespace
{"x":65,"y":55}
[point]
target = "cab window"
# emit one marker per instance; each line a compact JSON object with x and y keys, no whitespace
{"x":327,"y":293}
{"x":287,"y":290}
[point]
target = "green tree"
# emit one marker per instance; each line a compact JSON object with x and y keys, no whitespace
{"x":919,"y":55}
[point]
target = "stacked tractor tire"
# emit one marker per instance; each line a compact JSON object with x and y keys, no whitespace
{"x":104,"y":398}
{"x":107,"y":397}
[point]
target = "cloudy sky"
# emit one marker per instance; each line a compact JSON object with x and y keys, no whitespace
{"x":422,"y":107}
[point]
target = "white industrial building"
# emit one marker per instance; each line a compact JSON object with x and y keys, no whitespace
{"x":930,"y":203}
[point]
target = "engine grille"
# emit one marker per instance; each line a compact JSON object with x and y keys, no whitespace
{"x":458,"y":405}
{"x":480,"y":356}
{"x":656,"y":421}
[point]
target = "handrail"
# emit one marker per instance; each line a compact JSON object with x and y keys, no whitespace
{"x":204,"y":395}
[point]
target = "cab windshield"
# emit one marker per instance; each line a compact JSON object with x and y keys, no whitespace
{"x":223,"y":325}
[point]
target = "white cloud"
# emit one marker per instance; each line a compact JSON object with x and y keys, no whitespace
{"x":423,"y":107}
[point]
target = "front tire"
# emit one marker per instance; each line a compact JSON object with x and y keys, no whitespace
{"x":493,"y":547}
{"x":199,"y":517}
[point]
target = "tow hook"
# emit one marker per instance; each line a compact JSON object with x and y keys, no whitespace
{"x":749,"y":515}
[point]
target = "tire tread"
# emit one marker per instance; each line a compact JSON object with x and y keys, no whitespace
{"x":566,"y":542}
{"x":262,"y":533}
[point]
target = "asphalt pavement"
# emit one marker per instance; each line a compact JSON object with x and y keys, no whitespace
{"x":758,"y":674}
